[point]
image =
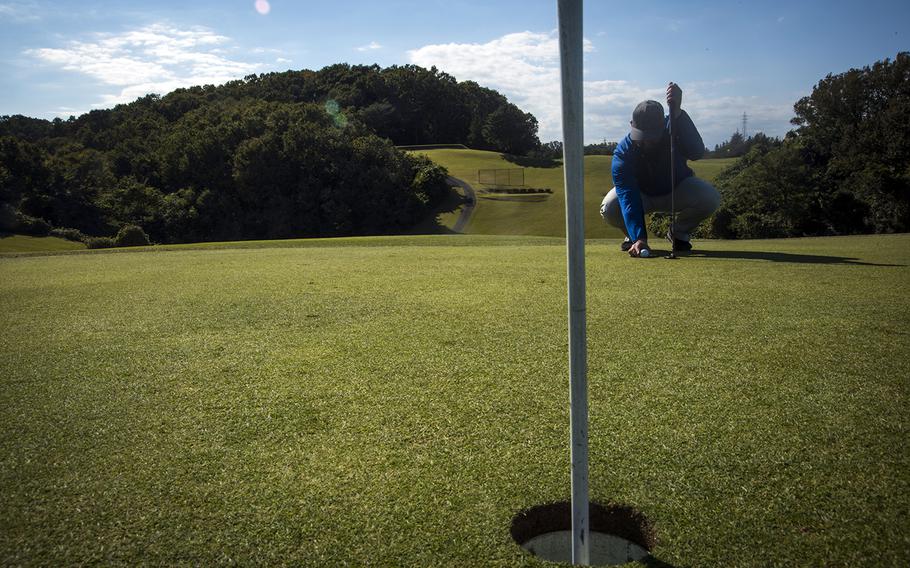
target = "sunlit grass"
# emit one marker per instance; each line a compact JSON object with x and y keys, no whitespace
{"x":26,"y":243}
{"x":395,"y":401}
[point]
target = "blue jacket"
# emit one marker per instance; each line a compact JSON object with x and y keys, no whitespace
{"x":636,"y":172}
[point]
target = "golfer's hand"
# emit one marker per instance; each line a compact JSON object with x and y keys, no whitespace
{"x":674,"y":98}
{"x":636,"y":247}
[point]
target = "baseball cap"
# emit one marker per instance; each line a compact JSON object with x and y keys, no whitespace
{"x":648,"y":121}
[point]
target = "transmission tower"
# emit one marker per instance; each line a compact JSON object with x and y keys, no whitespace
{"x":745,"y":118}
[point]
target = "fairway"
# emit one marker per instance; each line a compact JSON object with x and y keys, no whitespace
{"x":541,"y":214}
{"x":396,"y":401}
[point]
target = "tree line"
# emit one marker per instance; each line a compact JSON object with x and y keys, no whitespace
{"x":312,"y":153}
{"x":845,"y":169}
{"x":299,"y":153}
{"x":737,"y":146}
{"x":553,"y":150}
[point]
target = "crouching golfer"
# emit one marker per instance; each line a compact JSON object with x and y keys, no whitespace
{"x":641,"y":176}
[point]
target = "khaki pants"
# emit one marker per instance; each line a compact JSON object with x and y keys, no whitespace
{"x":695,"y":198}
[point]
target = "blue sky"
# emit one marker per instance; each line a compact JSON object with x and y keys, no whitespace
{"x":62,"y":58}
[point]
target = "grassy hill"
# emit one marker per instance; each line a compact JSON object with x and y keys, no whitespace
{"x":396,"y":401}
{"x":25,"y":243}
{"x":708,"y":169}
{"x":539,"y":214}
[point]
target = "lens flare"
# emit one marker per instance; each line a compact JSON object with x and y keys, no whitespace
{"x":333,"y":109}
{"x":263,"y":7}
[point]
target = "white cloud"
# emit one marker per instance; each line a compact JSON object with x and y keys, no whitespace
{"x":525,"y":67}
{"x":154,"y":59}
{"x":717,"y":117}
{"x":369,"y":47}
{"x":282,"y":60}
{"x":66,"y":112}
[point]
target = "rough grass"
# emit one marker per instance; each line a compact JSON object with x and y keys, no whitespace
{"x":543,"y":214}
{"x":25,"y":243}
{"x":396,"y":401}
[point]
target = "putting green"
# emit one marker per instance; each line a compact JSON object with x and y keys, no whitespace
{"x":396,"y":401}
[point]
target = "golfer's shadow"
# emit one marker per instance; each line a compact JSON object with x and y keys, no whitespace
{"x":652,"y":562}
{"x":780,"y":257}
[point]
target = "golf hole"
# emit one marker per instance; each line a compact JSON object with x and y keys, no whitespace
{"x":618,"y":534}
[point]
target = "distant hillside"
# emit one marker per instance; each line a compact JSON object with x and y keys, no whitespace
{"x":300,"y":153}
{"x":542,"y":214}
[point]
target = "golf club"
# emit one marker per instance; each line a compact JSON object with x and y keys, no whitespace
{"x":672,"y":254}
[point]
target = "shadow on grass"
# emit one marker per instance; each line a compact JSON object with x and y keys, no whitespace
{"x":527,"y":162}
{"x":431,"y":225}
{"x":652,"y":562}
{"x":779,"y":257}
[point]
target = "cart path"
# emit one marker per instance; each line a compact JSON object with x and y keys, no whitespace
{"x":468,"y":206}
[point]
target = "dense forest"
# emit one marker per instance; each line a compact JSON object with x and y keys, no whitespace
{"x":299,"y":153}
{"x":845,"y":169}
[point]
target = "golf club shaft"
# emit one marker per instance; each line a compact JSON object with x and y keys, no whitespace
{"x":672,"y":185}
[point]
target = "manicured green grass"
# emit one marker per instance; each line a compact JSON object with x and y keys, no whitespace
{"x":708,"y":169}
{"x":395,"y":401}
{"x":25,"y":243}
{"x":542,"y":215}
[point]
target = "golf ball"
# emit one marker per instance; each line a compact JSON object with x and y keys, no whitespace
{"x":644,"y":253}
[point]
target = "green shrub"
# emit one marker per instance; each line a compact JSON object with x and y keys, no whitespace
{"x":69,"y":234}
{"x":7,"y":217}
{"x":721,"y":224}
{"x":658,"y":223}
{"x":131,"y":236}
{"x":99,"y":242}
{"x":430,"y":182}
{"x":28,"y":225}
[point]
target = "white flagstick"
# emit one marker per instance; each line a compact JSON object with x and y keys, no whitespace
{"x":570,"y":56}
